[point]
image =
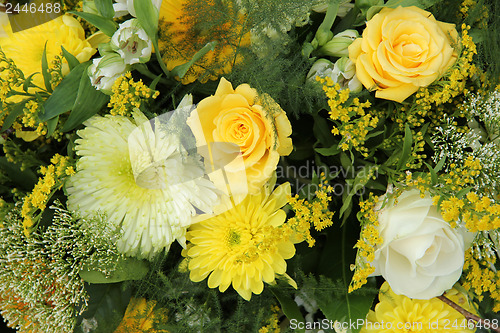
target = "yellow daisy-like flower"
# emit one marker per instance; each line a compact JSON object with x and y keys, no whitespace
{"x":398,"y":313}
{"x":26,"y":46}
{"x":142,"y":316}
{"x":139,"y":175}
{"x":244,"y":246}
{"x":181,"y":36}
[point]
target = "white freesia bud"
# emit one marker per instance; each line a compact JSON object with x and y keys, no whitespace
{"x":338,"y":45}
{"x":104,"y":71}
{"x":421,"y":255}
{"x":321,"y":68}
{"x":132,"y":43}
{"x":125,"y":7}
{"x":344,"y":73}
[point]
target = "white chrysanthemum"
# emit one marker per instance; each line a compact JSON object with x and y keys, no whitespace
{"x":142,"y":179}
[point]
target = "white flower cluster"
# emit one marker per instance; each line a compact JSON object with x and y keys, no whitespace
{"x":129,"y":45}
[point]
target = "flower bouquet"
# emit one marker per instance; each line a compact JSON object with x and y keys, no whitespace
{"x":250,"y":166}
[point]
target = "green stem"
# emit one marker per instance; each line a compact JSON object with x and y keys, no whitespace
{"x":344,"y":276}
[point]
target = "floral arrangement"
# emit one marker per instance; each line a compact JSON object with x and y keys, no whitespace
{"x":250,"y":166}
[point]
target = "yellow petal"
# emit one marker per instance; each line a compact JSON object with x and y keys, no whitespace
{"x":397,"y":94}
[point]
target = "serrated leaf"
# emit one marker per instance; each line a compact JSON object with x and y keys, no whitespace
{"x":106,"y":25}
{"x":105,"y":8}
{"x":127,"y":269}
{"x":406,"y":151}
{"x":64,"y":95}
{"x":82,"y":109}
{"x":181,"y":70}
{"x":45,"y":70}
{"x":71,"y":59}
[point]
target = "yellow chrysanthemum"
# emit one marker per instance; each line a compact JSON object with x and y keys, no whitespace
{"x":26,"y":46}
{"x":243,"y":246}
{"x":138,"y":174}
{"x":142,"y":316}
{"x":398,"y":313}
{"x":181,"y":36}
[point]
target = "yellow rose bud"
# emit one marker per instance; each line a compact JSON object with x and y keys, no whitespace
{"x":254,"y":125}
{"x":401,"y":50}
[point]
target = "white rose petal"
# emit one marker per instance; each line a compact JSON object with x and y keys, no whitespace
{"x":421,"y":255}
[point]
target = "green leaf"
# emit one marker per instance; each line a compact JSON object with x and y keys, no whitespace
{"x":440,"y":164}
{"x":45,"y":70}
{"x":51,"y":125}
{"x":105,"y":8}
{"x":72,"y":61}
{"x":333,"y":150}
{"x":25,"y":179}
{"x":15,"y":112}
{"x":405,"y":153}
{"x":64,"y":95}
{"x":147,"y":15}
{"x":403,"y":3}
{"x":106,"y":307}
{"x":463,"y":192}
{"x":345,"y":161}
{"x":82,"y":109}
{"x":127,"y":269}
{"x":106,"y":25}
{"x":27,"y":82}
{"x":153,"y":84}
{"x":289,"y":307}
{"x":181,"y":70}
{"x":323,"y":131}
{"x":434,"y":177}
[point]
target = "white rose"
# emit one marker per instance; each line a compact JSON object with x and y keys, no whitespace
{"x":421,"y":255}
{"x":104,"y":71}
{"x":132,"y":43}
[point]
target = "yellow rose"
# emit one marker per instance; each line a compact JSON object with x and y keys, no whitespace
{"x":26,"y":46}
{"x":401,"y":50}
{"x":245,"y":132}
